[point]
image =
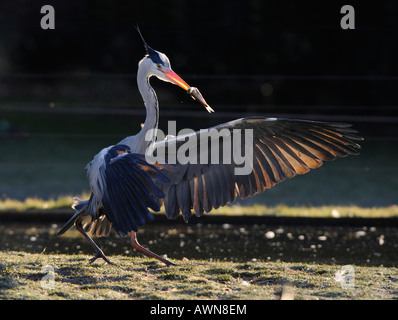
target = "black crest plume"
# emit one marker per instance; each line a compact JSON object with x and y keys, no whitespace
{"x":150,"y":52}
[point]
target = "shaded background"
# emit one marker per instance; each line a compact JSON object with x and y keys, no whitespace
{"x":67,"y":93}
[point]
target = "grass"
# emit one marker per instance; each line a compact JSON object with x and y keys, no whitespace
{"x":309,"y":211}
{"x":34,"y":203}
{"x":65,"y":202}
{"x":141,"y":278}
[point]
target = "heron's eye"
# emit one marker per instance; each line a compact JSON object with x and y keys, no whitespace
{"x":159,"y":65}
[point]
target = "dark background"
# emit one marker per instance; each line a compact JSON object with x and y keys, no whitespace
{"x":67,"y":93}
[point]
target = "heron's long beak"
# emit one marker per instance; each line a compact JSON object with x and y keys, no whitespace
{"x":175,"y":78}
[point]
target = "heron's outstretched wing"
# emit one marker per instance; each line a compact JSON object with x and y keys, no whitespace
{"x":280,"y":149}
{"x":131,"y":188}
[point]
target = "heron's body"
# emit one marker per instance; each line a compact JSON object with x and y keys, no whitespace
{"x":124,"y":185}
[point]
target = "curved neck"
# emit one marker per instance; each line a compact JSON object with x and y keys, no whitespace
{"x":148,"y":131}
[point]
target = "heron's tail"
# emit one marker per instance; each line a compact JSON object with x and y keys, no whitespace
{"x":80,"y":206}
{"x":99,"y":226}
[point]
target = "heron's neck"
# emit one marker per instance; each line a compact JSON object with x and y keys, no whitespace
{"x":148,"y":131}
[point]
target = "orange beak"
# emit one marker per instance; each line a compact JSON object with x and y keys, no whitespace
{"x":175,"y":78}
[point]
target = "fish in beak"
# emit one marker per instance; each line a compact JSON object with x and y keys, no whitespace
{"x":194,"y":92}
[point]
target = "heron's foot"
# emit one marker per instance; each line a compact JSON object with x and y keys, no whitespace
{"x":148,"y":253}
{"x":167,"y":262}
{"x":100,"y":254}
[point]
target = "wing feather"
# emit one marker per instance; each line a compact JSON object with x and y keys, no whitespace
{"x":282,"y":148}
{"x":130,"y":191}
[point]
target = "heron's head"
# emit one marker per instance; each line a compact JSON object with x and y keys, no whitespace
{"x":157,"y":64}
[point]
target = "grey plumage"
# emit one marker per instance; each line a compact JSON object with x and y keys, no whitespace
{"x":282,"y":148}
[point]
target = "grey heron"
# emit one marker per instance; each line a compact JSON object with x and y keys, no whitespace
{"x":125,"y":185}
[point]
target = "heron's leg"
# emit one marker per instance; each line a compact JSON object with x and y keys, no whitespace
{"x":145,"y":251}
{"x":99,"y":252}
